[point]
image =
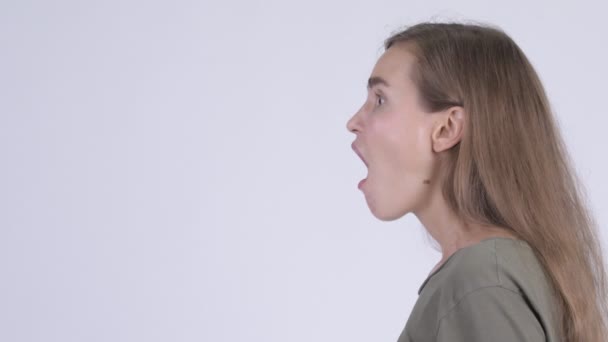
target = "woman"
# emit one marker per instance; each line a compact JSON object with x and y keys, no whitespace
{"x":457,"y":129}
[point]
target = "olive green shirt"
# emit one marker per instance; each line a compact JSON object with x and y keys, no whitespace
{"x":494,"y":291}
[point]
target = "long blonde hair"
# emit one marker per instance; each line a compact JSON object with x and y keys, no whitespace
{"x":512,"y":169}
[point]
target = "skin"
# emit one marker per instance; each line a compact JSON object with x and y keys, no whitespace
{"x":401,"y":144}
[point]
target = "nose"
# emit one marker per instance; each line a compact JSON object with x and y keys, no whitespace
{"x":353,"y":125}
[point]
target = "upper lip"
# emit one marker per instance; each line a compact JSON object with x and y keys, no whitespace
{"x":358,"y":153}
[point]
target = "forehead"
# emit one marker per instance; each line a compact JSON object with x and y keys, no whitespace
{"x":395,"y":66}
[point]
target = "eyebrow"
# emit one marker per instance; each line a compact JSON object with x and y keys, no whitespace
{"x":375,"y":80}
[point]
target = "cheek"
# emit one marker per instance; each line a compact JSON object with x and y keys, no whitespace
{"x":405,"y":145}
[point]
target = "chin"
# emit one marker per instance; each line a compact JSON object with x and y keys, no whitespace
{"x":388,"y":214}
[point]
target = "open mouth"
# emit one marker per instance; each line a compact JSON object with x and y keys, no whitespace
{"x":359,"y":154}
{"x":362,"y":182}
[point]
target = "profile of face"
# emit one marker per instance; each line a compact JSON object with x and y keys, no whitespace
{"x":397,"y":140}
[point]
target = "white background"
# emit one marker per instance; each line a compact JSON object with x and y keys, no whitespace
{"x":181,"y":171}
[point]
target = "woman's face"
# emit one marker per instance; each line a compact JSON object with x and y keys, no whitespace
{"x":394,"y":138}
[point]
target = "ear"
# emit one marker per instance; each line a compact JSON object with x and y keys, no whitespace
{"x":449,"y":129}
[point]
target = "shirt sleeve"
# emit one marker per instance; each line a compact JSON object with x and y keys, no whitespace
{"x":492,"y":314}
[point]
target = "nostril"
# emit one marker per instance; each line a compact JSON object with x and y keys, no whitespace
{"x":349,"y":126}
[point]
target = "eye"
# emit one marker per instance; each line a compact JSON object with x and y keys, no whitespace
{"x":379,"y":100}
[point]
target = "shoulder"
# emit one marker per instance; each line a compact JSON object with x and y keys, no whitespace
{"x":499,"y":263}
{"x":492,"y":262}
{"x":490,"y":313}
{"x":497,"y":284}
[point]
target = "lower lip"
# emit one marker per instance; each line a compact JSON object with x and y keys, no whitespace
{"x":362,"y":182}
